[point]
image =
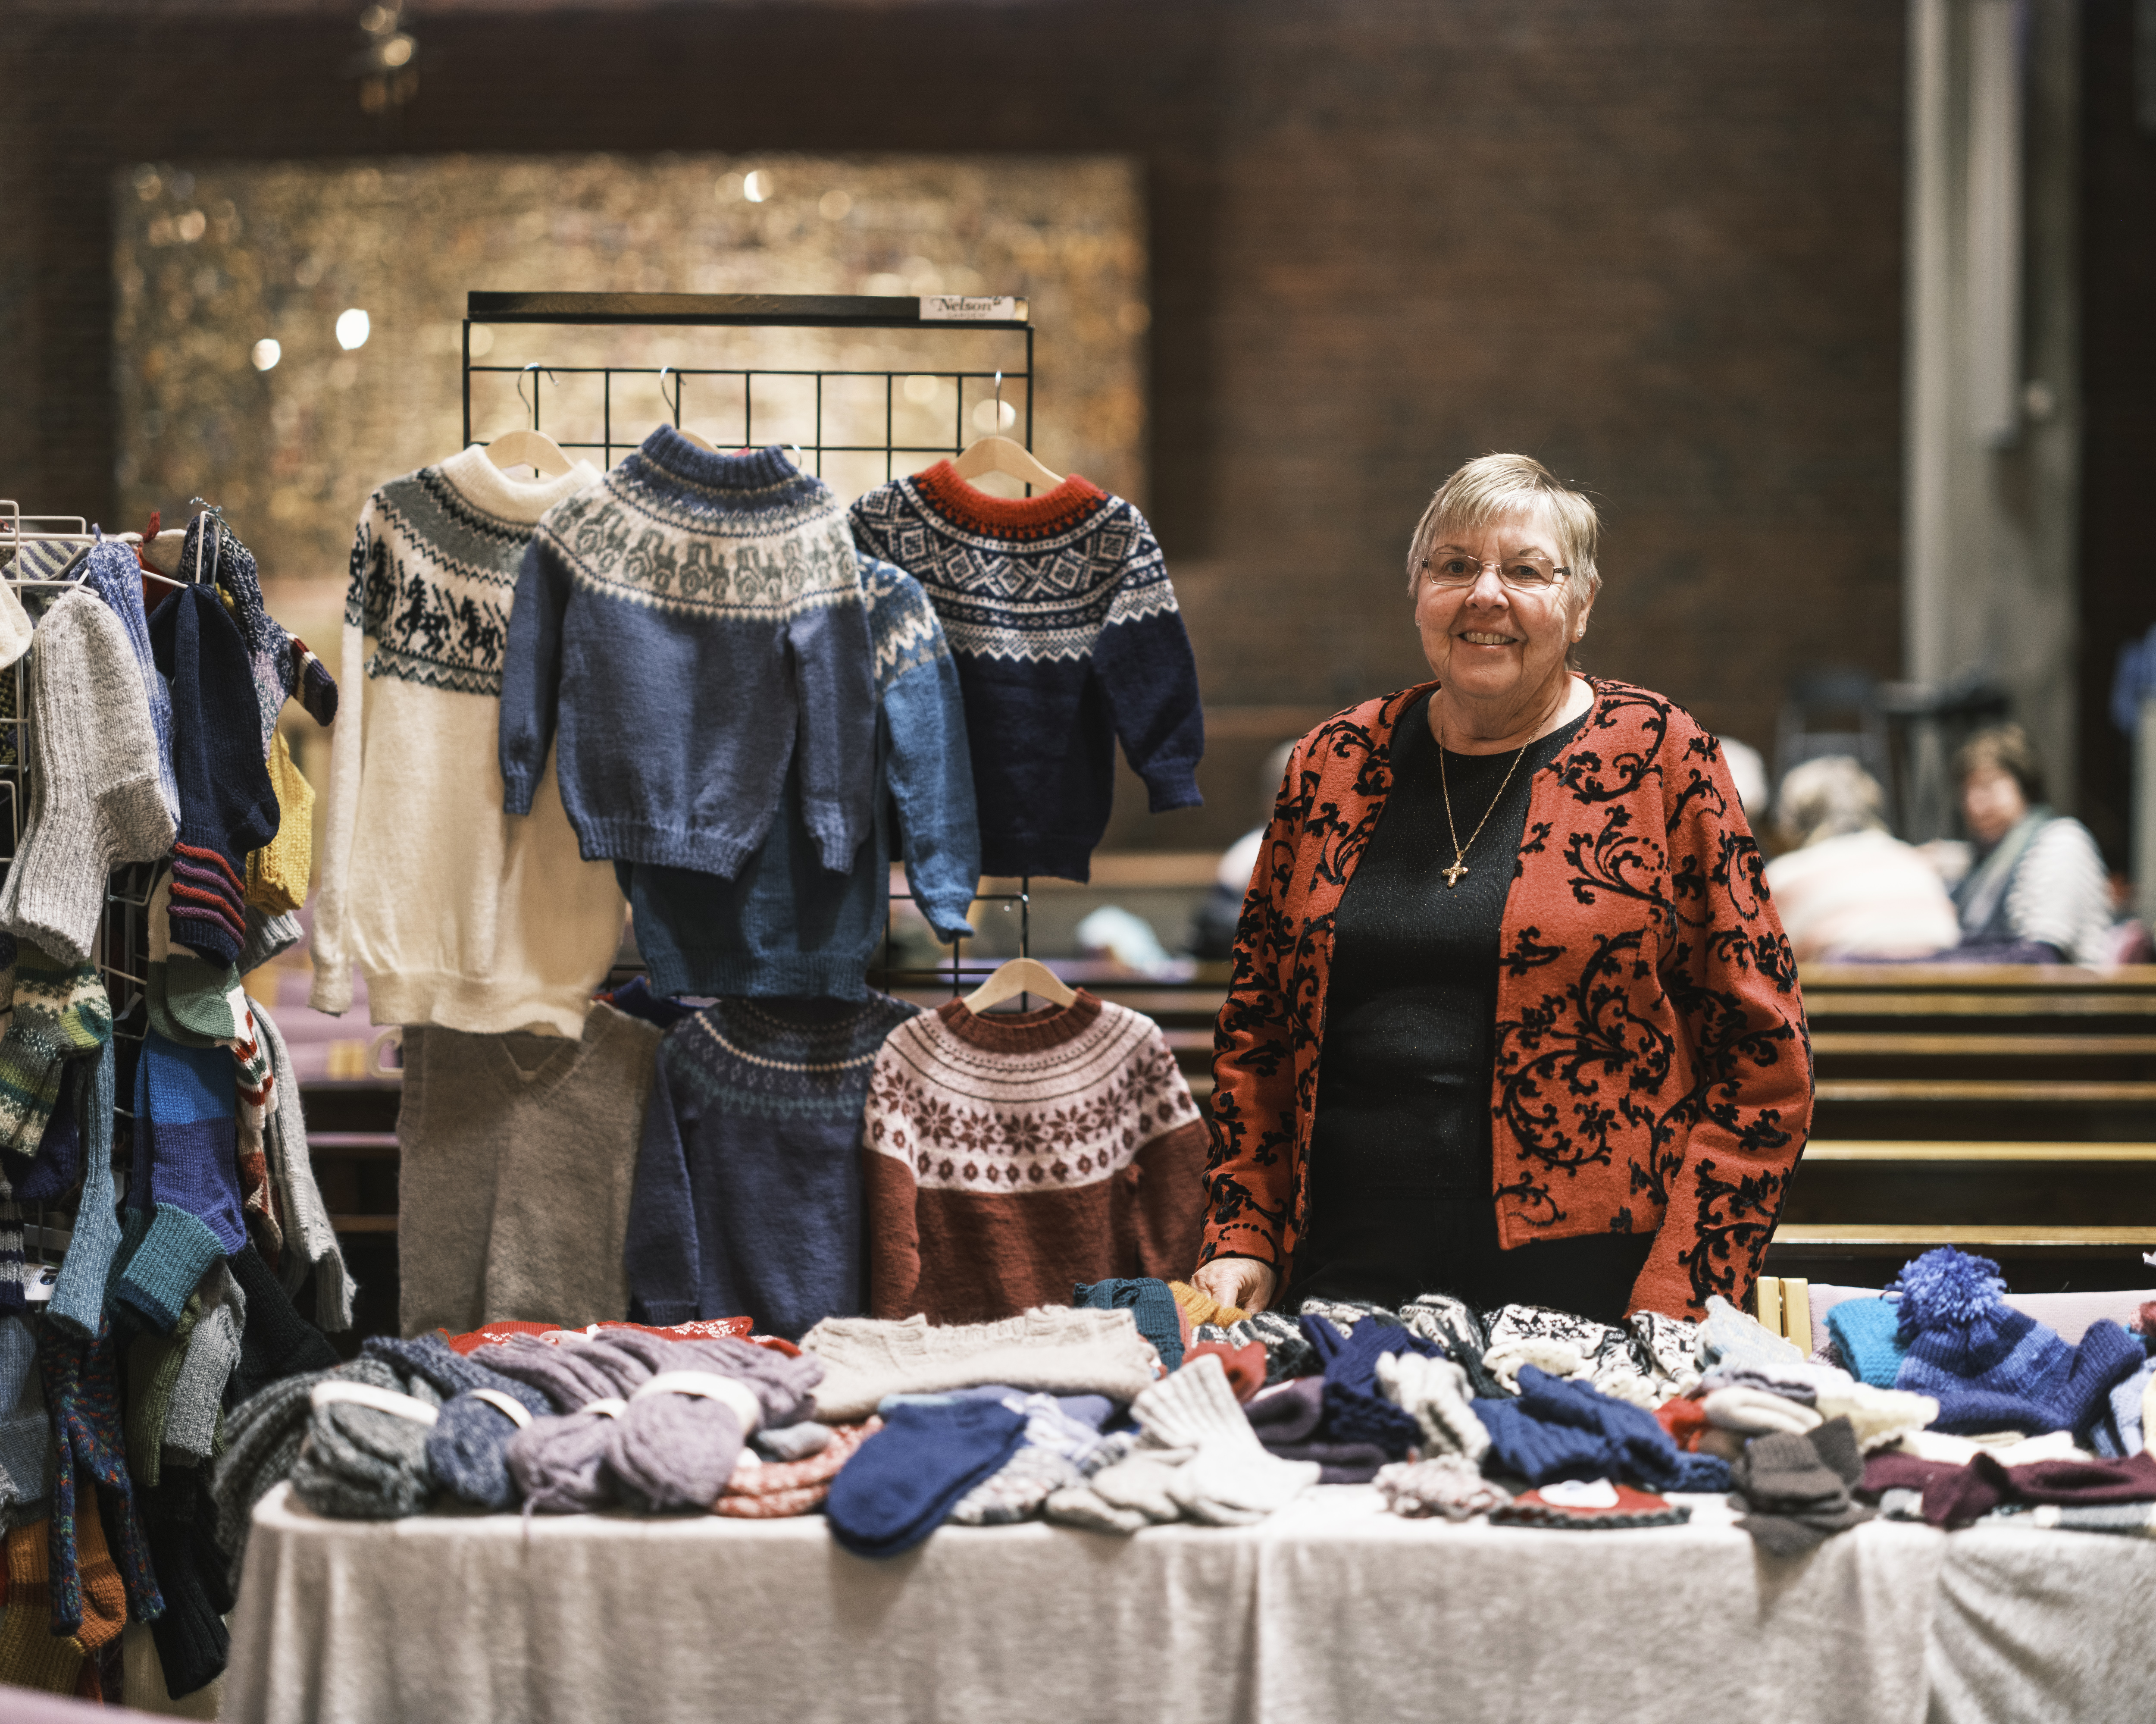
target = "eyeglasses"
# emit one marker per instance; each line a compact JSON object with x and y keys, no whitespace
{"x":1526,"y":573}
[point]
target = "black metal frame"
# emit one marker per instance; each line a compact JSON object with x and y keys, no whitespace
{"x":798,"y":310}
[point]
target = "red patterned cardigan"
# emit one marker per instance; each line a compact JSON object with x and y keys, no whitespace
{"x":1654,"y":1071}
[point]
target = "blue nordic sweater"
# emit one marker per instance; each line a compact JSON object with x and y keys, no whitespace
{"x":683,"y":632}
{"x":784,"y":925}
{"x":1066,"y":630}
{"x":748,"y":1199}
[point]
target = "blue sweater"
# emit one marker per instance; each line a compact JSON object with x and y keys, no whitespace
{"x":785,"y":926}
{"x":1067,"y":637}
{"x":748,"y":1199}
{"x":693,"y":626}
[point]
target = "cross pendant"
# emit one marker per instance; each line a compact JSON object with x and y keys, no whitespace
{"x":1453,"y":874}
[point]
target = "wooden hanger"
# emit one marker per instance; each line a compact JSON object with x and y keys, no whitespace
{"x":998,"y":454}
{"x":1021,"y":976}
{"x":529,"y":449}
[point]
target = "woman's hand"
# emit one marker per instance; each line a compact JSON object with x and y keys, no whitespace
{"x":1239,"y":1281}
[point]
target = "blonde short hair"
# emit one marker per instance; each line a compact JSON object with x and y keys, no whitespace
{"x":1827,"y":796}
{"x":1492,"y":487}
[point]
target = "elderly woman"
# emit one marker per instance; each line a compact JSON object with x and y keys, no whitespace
{"x":1846,"y":887}
{"x":1511,"y":1017}
{"x":2037,"y":892}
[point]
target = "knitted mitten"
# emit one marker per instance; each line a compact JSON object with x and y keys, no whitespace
{"x":31,"y":1655}
{"x":1127,"y":1494}
{"x":1231,"y":1477}
{"x":1754,"y":1411}
{"x":1201,"y":1307}
{"x":60,"y":1010}
{"x":1797,"y":1487}
{"x":1435,"y":1391}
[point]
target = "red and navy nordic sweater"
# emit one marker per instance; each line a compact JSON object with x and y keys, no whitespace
{"x":1059,"y":614}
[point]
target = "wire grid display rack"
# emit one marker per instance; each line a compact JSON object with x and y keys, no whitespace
{"x":120,"y":952}
{"x":836,"y":431}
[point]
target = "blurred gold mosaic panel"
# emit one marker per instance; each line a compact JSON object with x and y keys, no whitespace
{"x":216,"y":263}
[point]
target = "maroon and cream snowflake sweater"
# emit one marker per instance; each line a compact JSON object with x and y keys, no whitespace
{"x":1011,"y":1156}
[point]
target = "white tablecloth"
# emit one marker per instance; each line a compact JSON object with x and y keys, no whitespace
{"x":1332,"y":1609}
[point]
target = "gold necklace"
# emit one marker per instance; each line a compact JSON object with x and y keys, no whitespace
{"x":1452,"y":875}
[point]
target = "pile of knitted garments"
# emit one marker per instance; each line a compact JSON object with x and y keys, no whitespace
{"x":656,"y":1424}
{"x":1199,"y":1459}
{"x":1647,"y":1361}
{"x":2078,"y":1492}
{"x":1993,"y":1368}
{"x":1559,"y":1429}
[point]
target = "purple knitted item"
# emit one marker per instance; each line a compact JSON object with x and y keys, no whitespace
{"x":678,"y":1451}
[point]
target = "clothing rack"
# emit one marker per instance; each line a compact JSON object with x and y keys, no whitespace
{"x":121,"y":950}
{"x":796,"y":311}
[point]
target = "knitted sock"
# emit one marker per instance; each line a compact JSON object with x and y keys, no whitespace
{"x":14,"y":1261}
{"x":153,"y":1368}
{"x":198,"y":997}
{"x":25,"y":1473}
{"x":1231,"y":1477}
{"x":1435,"y":1392}
{"x":673,"y":1450}
{"x":1150,"y":1303}
{"x":198,"y":1392}
{"x":82,"y":1388}
{"x":1448,"y":1484}
{"x":903,"y":1482}
{"x":312,"y":685}
{"x":1288,"y":1411}
{"x":1797,"y":1487}
{"x":1133,"y":1492}
{"x":104,"y":1598}
{"x":60,"y":1010}
{"x":193,"y":1643}
{"x":31,"y":1655}
{"x":51,"y":1173}
{"x":278,"y":1342}
{"x":79,"y":1294}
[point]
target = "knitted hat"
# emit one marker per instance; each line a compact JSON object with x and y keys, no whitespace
{"x":60,"y":1010}
{"x":95,"y":800}
{"x":1866,"y":1335}
{"x":228,"y":805}
{"x":277,"y":873}
{"x":1993,"y":1367}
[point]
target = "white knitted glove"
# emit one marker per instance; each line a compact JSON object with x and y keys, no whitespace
{"x":1435,"y":1392}
{"x":1559,"y":1358}
{"x":1230,"y":1478}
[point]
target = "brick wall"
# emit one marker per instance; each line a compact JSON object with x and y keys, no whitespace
{"x":1658,"y":245}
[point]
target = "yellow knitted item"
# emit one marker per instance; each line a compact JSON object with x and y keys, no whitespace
{"x":277,"y":873}
{"x":1202,"y":1307}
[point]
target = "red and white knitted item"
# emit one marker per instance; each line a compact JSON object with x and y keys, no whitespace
{"x":775,"y":1490}
{"x":1007,"y":1156}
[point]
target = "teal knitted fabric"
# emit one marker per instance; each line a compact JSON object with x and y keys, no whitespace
{"x":1864,"y":1335}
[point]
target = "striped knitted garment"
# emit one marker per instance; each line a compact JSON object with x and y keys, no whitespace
{"x":228,"y":805}
{"x":82,"y":1389}
{"x":60,"y":1012}
{"x":756,"y":1112}
{"x":784,"y":926}
{"x":2044,"y":881}
{"x":1009,"y":1157}
{"x":692,"y":626}
{"x":457,"y":913}
{"x":1067,"y":635}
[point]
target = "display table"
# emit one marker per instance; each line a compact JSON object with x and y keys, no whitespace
{"x":1332,"y":1609}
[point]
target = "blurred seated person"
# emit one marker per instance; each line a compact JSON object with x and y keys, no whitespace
{"x":2036,"y":892}
{"x":1847,"y":888}
{"x":1212,"y":935}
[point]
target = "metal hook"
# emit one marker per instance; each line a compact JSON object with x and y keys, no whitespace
{"x":531,"y":406}
{"x":998,"y":426}
{"x":216,"y":536}
{"x":675,"y":403}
